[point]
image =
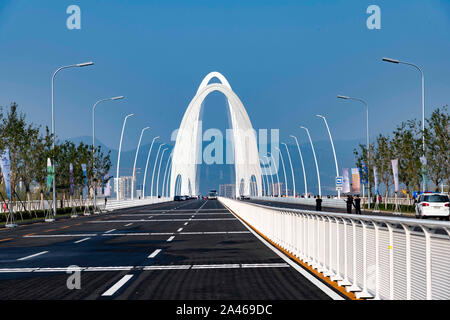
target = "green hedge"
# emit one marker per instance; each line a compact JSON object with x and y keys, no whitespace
{"x":391,"y":207}
{"x":33,"y":214}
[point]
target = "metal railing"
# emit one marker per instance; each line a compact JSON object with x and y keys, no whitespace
{"x":374,"y":257}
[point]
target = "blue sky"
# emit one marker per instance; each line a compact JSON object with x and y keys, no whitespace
{"x":286,"y":60}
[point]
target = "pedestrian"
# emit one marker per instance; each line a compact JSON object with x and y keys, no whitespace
{"x":106,"y":200}
{"x":349,"y":202}
{"x":357,"y":204}
{"x":318,"y":204}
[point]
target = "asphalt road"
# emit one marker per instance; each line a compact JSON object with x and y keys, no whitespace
{"x":176,"y":251}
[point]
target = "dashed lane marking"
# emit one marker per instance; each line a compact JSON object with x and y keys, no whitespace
{"x":117,"y":286}
{"x":32,"y":256}
{"x":179,"y":229}
{"x":170,"y":239}
{"x":154,"y":254}
{"x":109,"y":231}
{"x":82,"y":240}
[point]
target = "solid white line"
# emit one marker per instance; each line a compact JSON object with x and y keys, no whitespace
{"x":135,"y":234}
{"x":327,"y":290}
{"x":170,"y":239}
{"x":117,"y":286}
{"x":82,"y":240}
{"x":110,"y":230}
{"x":172,"y":267}
{"x":216,"y":266}
{"x":154,"y":253}
{"x":61,"y":235}
{"x":32,"y":256}
{"x":179,"y":229}
{"x":162,"y":220}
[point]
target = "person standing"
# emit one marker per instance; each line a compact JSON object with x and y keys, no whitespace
{"x":318,"y":204}
{"x":349,"y":202}
{"x":357,"y":204}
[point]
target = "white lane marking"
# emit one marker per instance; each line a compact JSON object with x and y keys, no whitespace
{"x":153,"y":267}
{"x":135,"y":234}
{"x":109,"y":231}
{"x":82,"y":240}
{"x":177,"y":214}
{"x":170,"y":239}
{"x":216,"y":266}
{"x":128,"y":224}
{"x":186,"y":223}
{"x":179,"y":229}
{"x":32,"y":256}
{"x":150,"y":217}
{"x":163,"y":220}
{"x":117,"y":286}
{"x":327,"y":290}
{"x":154,"y":254}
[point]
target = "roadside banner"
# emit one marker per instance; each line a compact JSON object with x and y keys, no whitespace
{"x":395,"y":173}
{"x":49,"y":175}
{"x":5,"y":165}
{"x":375,"y":178}
{"x":356,"y":181}
{"x":71,"y":187}
{"x":346,"y":181}
{"x":83,"y":167}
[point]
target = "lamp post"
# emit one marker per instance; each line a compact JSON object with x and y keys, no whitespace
{"x":120,"y":149}
{"x":93,"y":142}
{"x":303,"y":165}
{"x":315,"y":160}
{"x":79,"y":65}
{"x":165,"y":173}
{"x":154,"y":167}
{"x":146,"y":166}
{"x":159,"y":169}
{"x":168,"y":177}
{"x":284,"y":169}
{"x":278,"y":178}
{"x":367,"y":138}
{"x":135,"y":160}
{"x":334,"y":151}
{"x":423,"y":101}
{"x":292,"y":168}
{"x":271,"y":176}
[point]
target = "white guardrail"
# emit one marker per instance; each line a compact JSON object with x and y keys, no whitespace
{"x":121,"y":204}
{"x":332,"y":203}
{"x":374,"y":257}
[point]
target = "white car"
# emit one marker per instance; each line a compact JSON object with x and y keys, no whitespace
{"x":432,"y":205}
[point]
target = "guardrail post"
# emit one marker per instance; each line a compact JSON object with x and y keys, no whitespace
{"x":408,"y":259}
{"x":391,"y":261}
{"x":377,"y":260}
{"x":345,"y":281}
{"x":322,"y":267}
{"x":316,"y":243}
{"x":427,"y":233}
{"x":364,"y":293}
{"x":329,"y":271}
{"x":337,"y":275}
{"x":354,"y":287}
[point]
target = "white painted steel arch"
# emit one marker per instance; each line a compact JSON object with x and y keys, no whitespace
{"x":187,"y":153}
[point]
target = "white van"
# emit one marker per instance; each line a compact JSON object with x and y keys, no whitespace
{"x":432,"y":205}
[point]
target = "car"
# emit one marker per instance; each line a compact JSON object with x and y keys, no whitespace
{"x":212,"y":195}
{"x":432,"y":205}
{"x":177,"y":198}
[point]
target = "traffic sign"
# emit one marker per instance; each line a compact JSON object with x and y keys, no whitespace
{"x":339,"y":181}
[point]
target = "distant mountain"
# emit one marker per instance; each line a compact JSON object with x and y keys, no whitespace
{"x":213,"y":175}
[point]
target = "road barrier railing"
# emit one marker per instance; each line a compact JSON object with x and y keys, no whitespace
{"x":375,"y":257}
{"x":332,"y":203}
{"x":121,"y":204}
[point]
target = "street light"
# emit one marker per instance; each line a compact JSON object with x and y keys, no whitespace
{"x":278,"y":178}
{"x":284,"y":169}
{"x":146,"y":166}
{"x":159,"y":169}
{"x":165,"y":173}
{"x":168,"y":176}
{"x":303,"y":165}
{"x":154,"y":167}
{"x":423,"y":100}
{"x":85,"y":64}
{"x":271,"y":176}
{"x":292,"y":168}
{"x":118,"y":157}
{"x":135,"y":160}
{"x":93,"y":141}
{"x":367,"y":138}
{"x":315,"y":160}
{"x":334,"y":152}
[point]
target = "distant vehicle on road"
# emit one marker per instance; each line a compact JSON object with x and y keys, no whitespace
{"x":244,"y":197}
{"x":212,"y":195}
{"x":432,"y":205}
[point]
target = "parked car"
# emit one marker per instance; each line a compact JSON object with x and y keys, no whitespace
{"x":432,"y":205}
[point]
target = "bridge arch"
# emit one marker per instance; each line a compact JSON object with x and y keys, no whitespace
{"x":188,"y":152}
